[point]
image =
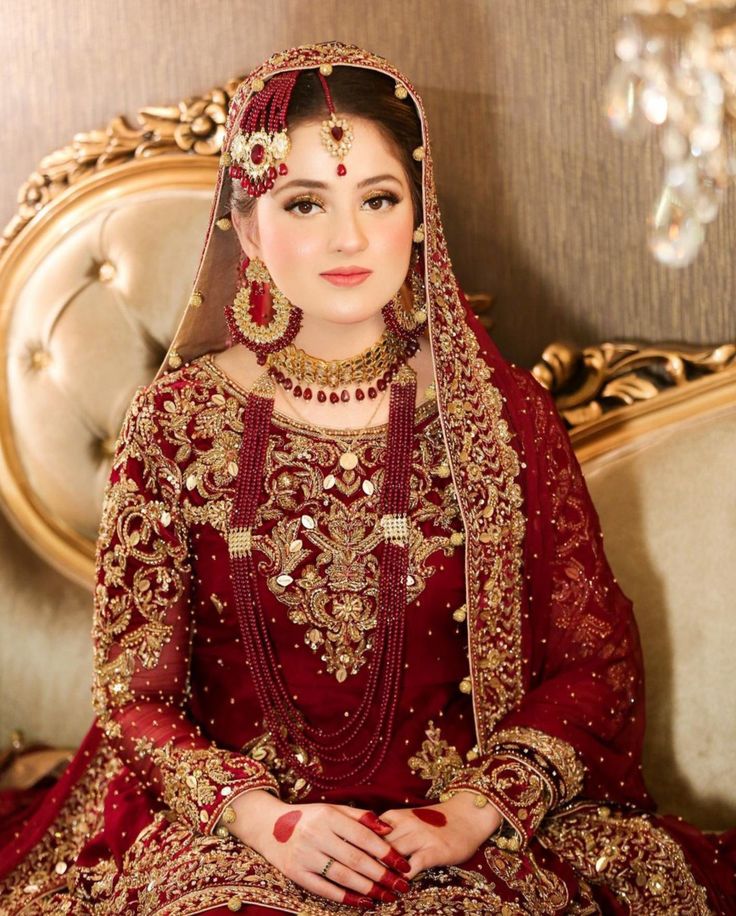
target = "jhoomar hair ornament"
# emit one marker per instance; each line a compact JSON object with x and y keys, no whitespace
{"x":259,"y":149}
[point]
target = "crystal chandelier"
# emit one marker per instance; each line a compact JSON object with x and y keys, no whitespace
{"x":676,"y":74}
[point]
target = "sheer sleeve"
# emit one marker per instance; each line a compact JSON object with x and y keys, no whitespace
{"x":142,"y":633}
{"x":579,"y":726}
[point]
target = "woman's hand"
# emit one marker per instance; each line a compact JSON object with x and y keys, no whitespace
{"x":443,"y":834}
{"x":299,"y":840}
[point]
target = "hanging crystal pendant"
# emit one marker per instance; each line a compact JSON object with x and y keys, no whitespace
{"x":621,"y":104}
{"x":677,"y":70}
{"x":676,"y":234}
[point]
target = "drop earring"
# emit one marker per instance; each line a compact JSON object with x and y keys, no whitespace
{"x":408,"y":324}
{"x":261,"y":317}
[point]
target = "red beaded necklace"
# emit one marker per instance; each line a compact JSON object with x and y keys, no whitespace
{"x":285,"y":721}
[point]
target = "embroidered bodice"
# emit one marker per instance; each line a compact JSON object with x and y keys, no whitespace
{"x":317,"y":544}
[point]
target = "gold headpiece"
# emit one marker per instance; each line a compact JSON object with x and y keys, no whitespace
{"x":260,"y":146}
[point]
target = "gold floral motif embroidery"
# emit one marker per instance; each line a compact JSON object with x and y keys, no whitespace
{"x":142,"y":562}
{"x":485,"y":467}
{"x":293,"y":787}
{"x":167,"y":869}
{"x":638,"y":861}
{"x":585,"y":603}
{"x":197,"y":782}
{"x":541,"y":889}
{"x":436,"y":761}
{"x":565,"y":767}
{"x":521,"y":794}
{"x":46,"y":865}
{"x":319,"y":558}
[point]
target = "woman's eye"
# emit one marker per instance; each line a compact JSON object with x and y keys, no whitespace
{"x":303,"y":207}
{"x":376,"y":203}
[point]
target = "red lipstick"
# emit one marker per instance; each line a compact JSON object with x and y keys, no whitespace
{"x":346,"y":276}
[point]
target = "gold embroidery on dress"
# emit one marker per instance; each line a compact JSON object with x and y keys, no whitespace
{"x":319,"y":558}
{"x":293,"y":787}
{"x":47,"y":865}
{"x":437,"y":761}
{"x":541,"y":889}
{"x":195,"y":778}
{"x":638,"y":861}
{"x":142,"y":555}
{"x":561,"y":755}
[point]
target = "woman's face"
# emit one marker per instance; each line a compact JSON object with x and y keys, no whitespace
{"x":314,"y":226}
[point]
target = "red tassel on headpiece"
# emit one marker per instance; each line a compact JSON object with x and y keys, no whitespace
{"x":261,"y":145}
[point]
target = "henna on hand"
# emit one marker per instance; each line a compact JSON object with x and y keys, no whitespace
{"x":396,"y":861}
{"x":353,"y":899}
{"x":374,"y":823}
{"x":430,"y":816}
{"x":394,"y":882}
{"x":284,"y":826}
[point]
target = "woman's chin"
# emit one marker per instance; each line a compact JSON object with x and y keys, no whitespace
{"x":347,"y":313}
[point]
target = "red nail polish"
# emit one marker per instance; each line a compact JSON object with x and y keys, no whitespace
{"x":384,"y":824}
{"x":401,"y":885}
{"x":365,"y":901}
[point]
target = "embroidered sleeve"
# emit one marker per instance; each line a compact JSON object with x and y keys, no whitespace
{"x":578,"y":729}
{"x":525,"y":775}
{"x":142,"y":633}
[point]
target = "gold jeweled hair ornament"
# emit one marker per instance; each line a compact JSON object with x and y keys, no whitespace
{"x":261,"y":145}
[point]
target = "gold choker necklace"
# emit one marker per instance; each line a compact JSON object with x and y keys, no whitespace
{"x":379,"y":364}
{"x":365,"y":367}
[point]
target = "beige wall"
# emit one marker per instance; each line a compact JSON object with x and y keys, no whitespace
{"x":543,"y":208}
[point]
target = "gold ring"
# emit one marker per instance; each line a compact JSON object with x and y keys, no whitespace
{"x":327,"y":865}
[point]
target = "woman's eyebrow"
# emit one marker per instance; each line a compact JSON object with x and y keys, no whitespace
{"x":309,"y":183}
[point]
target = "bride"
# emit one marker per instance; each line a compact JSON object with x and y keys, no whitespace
{"x":357,"y":643}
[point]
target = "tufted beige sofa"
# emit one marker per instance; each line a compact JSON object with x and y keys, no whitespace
{"x":94,"y":273}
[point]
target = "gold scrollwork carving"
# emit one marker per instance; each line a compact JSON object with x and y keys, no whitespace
{"x":589,"y":382}
{"x":195,"y":125}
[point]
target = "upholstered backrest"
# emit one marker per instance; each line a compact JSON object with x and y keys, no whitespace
{"x":668,"y":510}
{"x":661,"y":472}
{"x":94,"y":294}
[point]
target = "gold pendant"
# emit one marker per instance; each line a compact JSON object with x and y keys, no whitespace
{"x":348,"y":461}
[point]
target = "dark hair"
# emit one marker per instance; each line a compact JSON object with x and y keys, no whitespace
{"x":361,"y":93}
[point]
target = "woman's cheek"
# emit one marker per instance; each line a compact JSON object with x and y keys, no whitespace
{"x":395,"y":241}
{"x":289,"y":256}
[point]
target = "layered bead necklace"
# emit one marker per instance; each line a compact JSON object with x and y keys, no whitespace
{"x":296,"y":739}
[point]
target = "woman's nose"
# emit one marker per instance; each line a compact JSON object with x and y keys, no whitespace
{"x":348,"y":235}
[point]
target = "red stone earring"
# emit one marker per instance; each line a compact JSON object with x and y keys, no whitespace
{"x":261,"y":317}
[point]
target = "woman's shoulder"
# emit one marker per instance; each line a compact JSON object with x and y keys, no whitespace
{"x":171,"y":398}
{"x":191,"y":381}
